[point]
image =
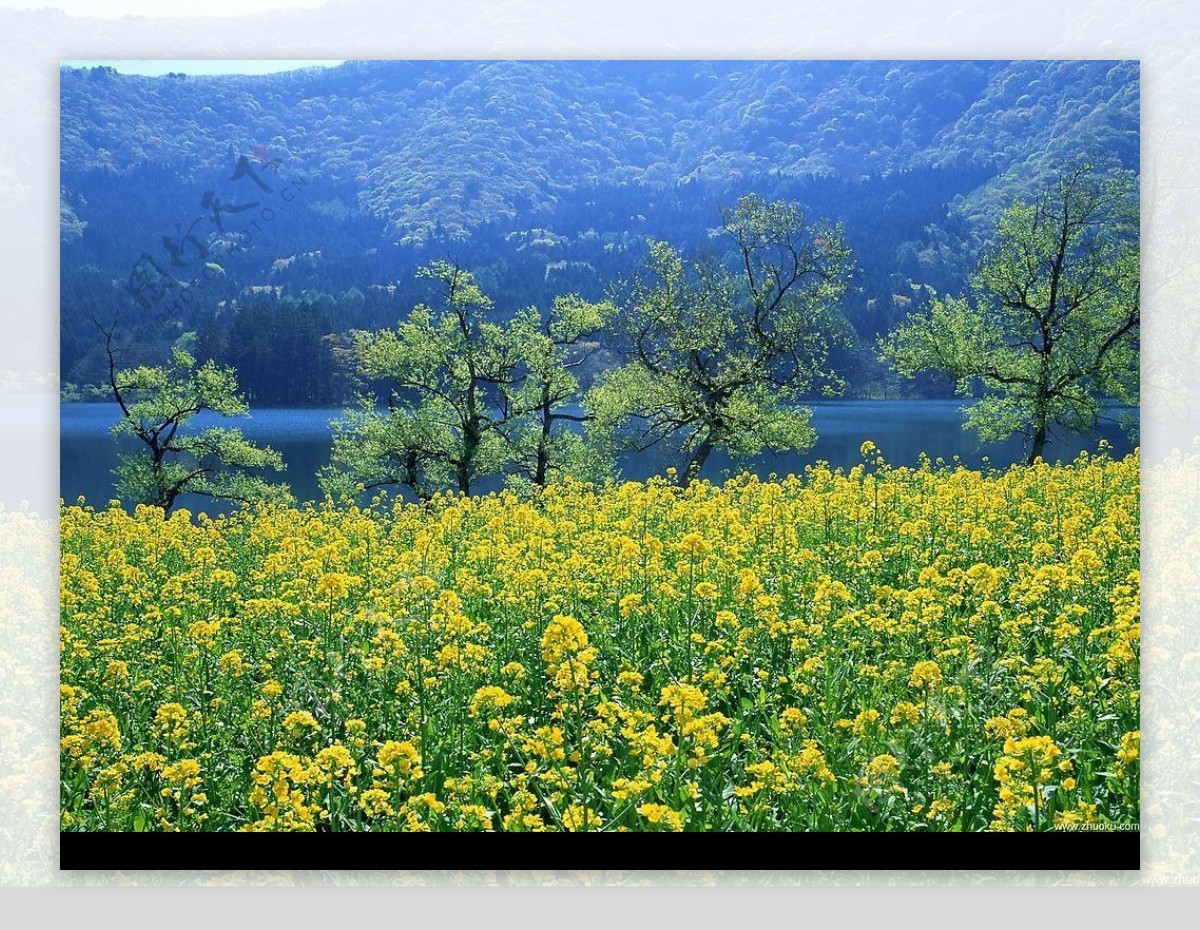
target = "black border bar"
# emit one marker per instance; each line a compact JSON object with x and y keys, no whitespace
{"x":1057,"y":851}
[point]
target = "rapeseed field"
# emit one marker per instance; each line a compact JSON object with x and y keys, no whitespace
{"x":878,"y":648}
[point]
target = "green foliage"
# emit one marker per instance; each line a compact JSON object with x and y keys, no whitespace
{"x":720,"y":353}
{"x":452,"y":363}
{"x":453,"y":144}
{"x":157,"y":404}
{"x":278,"y":348}
{"x":542,"y":445}
{"x":472,"y":398}
{"x":1050,"y":328}
{"x":373,"y":449}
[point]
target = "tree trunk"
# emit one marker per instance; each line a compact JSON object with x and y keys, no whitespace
{"x":543,"y":451}
{"x":165,"y":496}
{"x":412,"y":476}
{"x":472,"y":436}
{"x":699,"y":457}
{"x":1039,"y":443}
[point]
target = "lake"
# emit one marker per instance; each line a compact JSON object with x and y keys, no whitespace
{"x":902,"y":429}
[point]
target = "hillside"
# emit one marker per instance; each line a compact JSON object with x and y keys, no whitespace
{"x":540,"y":176}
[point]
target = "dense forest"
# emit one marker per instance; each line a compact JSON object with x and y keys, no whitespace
{"x":263,"y":219}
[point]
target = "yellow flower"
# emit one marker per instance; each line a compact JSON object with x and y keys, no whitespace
{"x":375,"y":802}
{"x":630,"y":604}
{"x":489,"y":697}
{"x":883,"y":767}
{"x":662,"y":816}
{"x":1130,"y":747}
{"x":926,"y":676}
{"x":171,"y":721}
{"x":205,"y":632}
{"x":630,"y":679}
{"x":564,"y":651}
{"x":706,"y":591}
{"x":1015,"y":723}
{"x":683,"y":701}
{"x":579,"y":819}
{"x":101,"y":729}
{"x":513,"y":670}
{"x":905,"y":712}
{"x":866,"y":722}
{"x":563,"y":637}
{"x":336,"y":585}
{"x":400,"y":758}
{"x":184,"y":773}
{"x":938,"y":807}
{"x":300,"y":723}
{"x":791,"y":720}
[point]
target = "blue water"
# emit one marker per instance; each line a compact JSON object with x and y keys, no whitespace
{"x":902,"y":429}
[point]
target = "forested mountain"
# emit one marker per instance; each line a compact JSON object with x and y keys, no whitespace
{"x":271,"y":215}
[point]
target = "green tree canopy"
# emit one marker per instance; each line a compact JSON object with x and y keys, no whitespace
{"x":470,"y":397}
{"x":1050,"y":328}
{"x":450,"y":364}
{"x":554,"y":349}
{"x":720,"y":352}
{"x":157,"y":405}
